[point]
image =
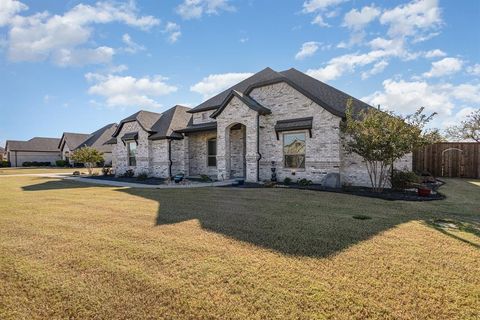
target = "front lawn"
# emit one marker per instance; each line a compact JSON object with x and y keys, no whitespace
{"x":74,"y":250}
{"x":40,"y":170}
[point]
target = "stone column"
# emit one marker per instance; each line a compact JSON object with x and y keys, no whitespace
{"x":251,"y":152}
{"x":223,"y":152}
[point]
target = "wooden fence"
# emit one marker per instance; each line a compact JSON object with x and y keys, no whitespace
{"x":449,"y":159}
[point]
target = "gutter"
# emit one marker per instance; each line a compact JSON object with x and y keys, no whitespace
{"x":170,"y":162}
{"x":259,"y":157}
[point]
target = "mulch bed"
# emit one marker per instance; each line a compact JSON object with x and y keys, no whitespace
{"x":148,"y":181}
{"x":387,"y":194}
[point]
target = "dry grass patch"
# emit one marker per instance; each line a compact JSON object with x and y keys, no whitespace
{"x":73,"y":250}
{"x":26,"y":170}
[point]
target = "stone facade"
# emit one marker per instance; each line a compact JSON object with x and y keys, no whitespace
{"x":197,"y":154}
{"x":238,"y":150}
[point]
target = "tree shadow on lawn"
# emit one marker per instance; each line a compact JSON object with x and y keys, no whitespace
{"x":293,"y":222}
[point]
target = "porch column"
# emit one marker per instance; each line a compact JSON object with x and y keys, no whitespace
{"x":223,"y":152}
{"x":251,"y":152}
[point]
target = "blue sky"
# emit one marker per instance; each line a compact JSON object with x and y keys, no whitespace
{"x":77,"y":65}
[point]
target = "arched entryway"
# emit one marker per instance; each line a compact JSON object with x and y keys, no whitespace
{"x":236,"y":149}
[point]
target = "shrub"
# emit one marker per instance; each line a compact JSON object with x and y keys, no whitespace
{"x":61,"y":163}
{"x":5,"y":164}
{"x":205,"y":178}
{"x":305,"y":182}
{"x":36,"y":164}
{"x":76,"y":173}
{"x":287,"y":181}
{"x":107,"y":171}
{"x":129,"y":173}
{"x":404,"y":179}
{"x":142,"y":176}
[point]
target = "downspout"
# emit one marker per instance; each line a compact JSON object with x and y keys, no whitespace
{"x":170,"y":158}
{"x":259,"y":155}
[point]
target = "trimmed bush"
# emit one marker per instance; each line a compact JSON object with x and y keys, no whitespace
{"x":4,"y":164}
{"x":36,"y":164}
{"x":287,"y":181}
{"x":142,"y":176}
{"x":404,"y":179}
{"x":304,"y":182}
{"x":129,"y":173}
{"x":61,"y":163}
{"x":205,"y":178}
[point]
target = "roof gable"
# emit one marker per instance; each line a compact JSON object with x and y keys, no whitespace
{"x":248,"y":101}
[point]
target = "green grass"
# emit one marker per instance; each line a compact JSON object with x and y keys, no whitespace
{"x":74,"y":250}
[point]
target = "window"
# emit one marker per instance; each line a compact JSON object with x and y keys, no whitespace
{"x":132,"y":153}
{"x":294,"y":150}
{"x":212,"y":152}
{"x":204,"y":116}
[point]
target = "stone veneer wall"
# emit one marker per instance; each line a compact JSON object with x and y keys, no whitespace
{"x":323,"y":149}
{"x":202,"y":117}
{"x":120,"y":151}
{"x":237,"y":149}
{"x":354,"y":170}
{"x":197,"y":154}
{"x":236,"y":112}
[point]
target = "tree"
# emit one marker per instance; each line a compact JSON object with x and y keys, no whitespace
{"x":469,"y":129}
{"x":88,"y":156}
{"x":381,"y":137}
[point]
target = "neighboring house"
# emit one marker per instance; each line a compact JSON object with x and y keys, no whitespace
{"x":36,"y":149}
{"x":69,"y":142}
{"x":284,"y":120}
{"x":3,"y":154}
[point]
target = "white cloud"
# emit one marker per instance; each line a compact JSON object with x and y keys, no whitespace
{"x":80,"y":57}
{"x":319,"y":7}
{"x":8,"y":9}
{"x":173,"y":31}
{"x":407,"y":96}
{"x":474,"y":70}
{"x":194,"y":9}
{"x":444,"y":67}
{"x":215,"y":83}
{"x":243,"y":40}
{"x":308,"y":49}
{"x":129,"y":91}
{"x":458,"y":117}
{"x":412,"y":18}
{"x":131,"y":46}
{"x":43,"y":36}
{"x":337,"y":66}
{"x":435,"y":53}
{"x":377,"y":68}
{"x":318,"y":20}
{"x":357,"y":20}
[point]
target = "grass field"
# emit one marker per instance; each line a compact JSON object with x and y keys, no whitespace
{"x":28,"y":170}
{"x":73,"y":250}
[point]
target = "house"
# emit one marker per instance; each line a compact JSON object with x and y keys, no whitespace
{"x":37,"y":149}
{"x":69,"y":142}
{"x":3,"y":154}
{"x":147,"y":142}
{"x":287,"y":122}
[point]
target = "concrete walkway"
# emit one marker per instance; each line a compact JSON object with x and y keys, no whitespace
{"x":68,"y":176}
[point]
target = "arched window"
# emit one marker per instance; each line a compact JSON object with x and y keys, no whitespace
{"x":212,"y":152}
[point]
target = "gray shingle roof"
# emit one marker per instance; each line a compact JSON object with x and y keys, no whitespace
{"x":73,"y":140}
{"x":95,"y":140}
{"x":199,"y":127}
{"x":39,"y":144}
{"x":160,"y":125}
{"x":326,"y":96}
{"x":98,"y":138}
